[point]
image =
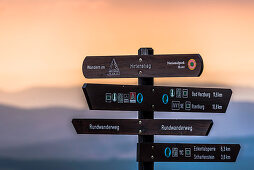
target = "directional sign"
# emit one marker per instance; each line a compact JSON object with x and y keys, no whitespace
{"x":176,"y":152}
{"x":132,"y":66}
{"x":143,"y":126}
{"x":156,"y":98}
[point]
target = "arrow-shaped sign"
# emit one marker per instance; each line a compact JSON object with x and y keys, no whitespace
{"x":177,"y":152}
{"x":156,"y":98}
{"x":143,"y":126}
{"x":132,"y":66}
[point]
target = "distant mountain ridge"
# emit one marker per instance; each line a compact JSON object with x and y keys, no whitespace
{"x":45,"y":97}
{"x":47,"y":133}
{"x":73,"y":96}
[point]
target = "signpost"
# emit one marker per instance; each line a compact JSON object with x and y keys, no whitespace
{"x":147,"y":98}
{"x":142,"y":114}
{"x":178,"y":152}
{"x":143,"y":126}
{"x":148,"y":65}
{"x":156,"y":98}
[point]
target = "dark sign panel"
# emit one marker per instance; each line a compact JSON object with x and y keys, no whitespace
{"x":142,"y":126}
{"x":176,"y":152}
{"x":132,"y":66}
{"x":156,"y":98}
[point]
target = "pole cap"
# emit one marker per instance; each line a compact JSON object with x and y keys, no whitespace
{"x":145,"y":51}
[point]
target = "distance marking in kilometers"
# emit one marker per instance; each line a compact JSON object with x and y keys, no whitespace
{"x":156,"y":98}
{"x":177,"y":152}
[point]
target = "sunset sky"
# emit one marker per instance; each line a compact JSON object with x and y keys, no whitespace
{"x":42,"y":47}
{"x":43,"y":42}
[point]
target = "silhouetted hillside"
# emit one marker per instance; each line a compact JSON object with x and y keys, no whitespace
{"x":73,"y":97}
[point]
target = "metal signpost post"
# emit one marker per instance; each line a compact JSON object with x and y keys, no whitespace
{"x":145,"y":114}
{"x":147,"y":98}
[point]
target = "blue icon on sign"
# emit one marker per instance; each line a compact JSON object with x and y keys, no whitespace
{"x":165,"y":98}
{"x":167,"y":152}
{"x":140,"y":98}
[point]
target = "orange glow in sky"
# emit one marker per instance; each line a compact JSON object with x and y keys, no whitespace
{"x":44,"y":42}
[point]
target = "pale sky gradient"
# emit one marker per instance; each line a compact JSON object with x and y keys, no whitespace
{"x":43,"y":42}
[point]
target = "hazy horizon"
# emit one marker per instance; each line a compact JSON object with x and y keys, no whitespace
{"x":42,"y":47}
{"x":73,"y":97}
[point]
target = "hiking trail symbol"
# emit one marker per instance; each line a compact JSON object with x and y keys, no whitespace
{"x":113,"y":69}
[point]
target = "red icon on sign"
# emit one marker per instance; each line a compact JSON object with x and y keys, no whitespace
{"x":132,"y":97}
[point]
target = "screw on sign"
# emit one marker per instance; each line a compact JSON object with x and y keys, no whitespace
{"x":147,"y":98}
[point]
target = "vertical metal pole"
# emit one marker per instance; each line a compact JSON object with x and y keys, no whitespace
{"x":145,"y":115}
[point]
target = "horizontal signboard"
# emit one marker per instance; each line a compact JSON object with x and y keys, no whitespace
{"x":156,"y":98}
{"x":143,"y":126}
{"x":132,"y":66}
{"x":177,"y":152}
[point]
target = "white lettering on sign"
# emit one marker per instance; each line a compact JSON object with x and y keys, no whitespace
{"x":196,"y":156}
{"x":225,"y":157}
{"x":216,"y":107}
{"x":176,"y":128}
{"x":201,"y":94}
{"x":180,"y":64}
{"x":103,"y":127}
{"x":95,"y":67}
{"x":225,"y":149}
{"x":204,"y":149}
{"x":217,"y":94}
{"x":140,"y":66}
{"x":198,"y":106}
